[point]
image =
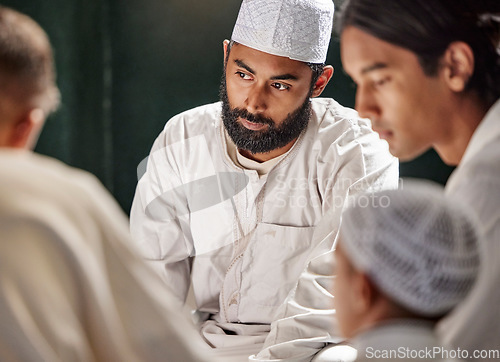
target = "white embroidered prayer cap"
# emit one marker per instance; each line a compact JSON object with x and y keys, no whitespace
{"x":418,"y":247}
{"x":297,"y":29}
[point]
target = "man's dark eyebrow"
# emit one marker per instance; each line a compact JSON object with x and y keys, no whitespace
{"x":240,"y":63}
{"x":373,"y":67}
{"x":286,"y":76}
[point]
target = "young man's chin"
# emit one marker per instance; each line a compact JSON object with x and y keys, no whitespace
{"x":407,"y":155}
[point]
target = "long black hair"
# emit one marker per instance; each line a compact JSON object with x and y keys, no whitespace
{"x":427,"y":27}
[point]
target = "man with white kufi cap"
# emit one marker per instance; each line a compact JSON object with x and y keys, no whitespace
{"x":403,"y":262}
{"x":234,"y":190}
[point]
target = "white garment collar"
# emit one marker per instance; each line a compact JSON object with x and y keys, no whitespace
{"x":486,"y":132}
{"x":262,"y":168}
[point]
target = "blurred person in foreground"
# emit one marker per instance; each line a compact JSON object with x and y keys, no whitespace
{"x":70,"y":287}
{"x":235,"y":193}
{"x":428,"y":75}
{"x":403,"y":262}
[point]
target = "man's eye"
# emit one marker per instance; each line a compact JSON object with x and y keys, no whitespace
{"x":381,"y":82}
{"x":280,"y":86}
{"x":243,"y":76}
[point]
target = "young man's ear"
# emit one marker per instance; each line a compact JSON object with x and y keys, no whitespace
{"x":26,"y":129}
{"x":225,"y":45}
{"x":322,"y":81}
{"x":458,"y":65}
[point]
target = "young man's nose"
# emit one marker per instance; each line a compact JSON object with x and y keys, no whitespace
{"x":366,"y":104}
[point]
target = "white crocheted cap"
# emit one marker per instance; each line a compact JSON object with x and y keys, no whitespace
{"x":297,"y":29}
{"x":419,"y":248}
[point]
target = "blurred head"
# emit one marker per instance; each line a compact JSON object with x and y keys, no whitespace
{"x":273,"y":65}
{"x":28,"y":93}
{"x":411,"y":253}
{"x":416,"y":61}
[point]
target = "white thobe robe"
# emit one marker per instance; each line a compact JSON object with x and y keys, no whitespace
{"x":245,"y":238}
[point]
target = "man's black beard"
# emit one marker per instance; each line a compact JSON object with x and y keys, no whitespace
{"x":268,"y":139}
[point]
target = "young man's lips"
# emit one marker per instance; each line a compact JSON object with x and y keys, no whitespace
{"x":253,"y":126}
{"x":384,"y":134}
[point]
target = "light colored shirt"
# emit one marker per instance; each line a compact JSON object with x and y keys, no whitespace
{"x":70,"y":287}
{"x":475,"y":324}
{"x":245,"y":238}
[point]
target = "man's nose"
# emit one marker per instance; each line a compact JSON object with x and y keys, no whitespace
{"x":256,"y":101}
{"x":366,"y":104}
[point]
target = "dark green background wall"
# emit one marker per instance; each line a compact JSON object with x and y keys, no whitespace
{"x":125,"y":67}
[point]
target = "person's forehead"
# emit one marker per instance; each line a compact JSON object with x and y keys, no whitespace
{"x":259,"y":60}
{"x":362,"y":52}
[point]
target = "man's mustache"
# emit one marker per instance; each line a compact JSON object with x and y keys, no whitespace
{"x":254,"y":118}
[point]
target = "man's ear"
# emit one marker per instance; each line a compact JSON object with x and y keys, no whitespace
{"x":322,"y":81}
{"x":367,"y":292}
{"x":458,"y":63}
{"x":26,"y":129}
{"x":225,"y":45}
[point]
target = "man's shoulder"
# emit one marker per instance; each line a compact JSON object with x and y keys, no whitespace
{"x":338,"y":135}
{"x":16,"y":164}
{"x":478,"y":168}
{"x":323,"y":105}
{"x":333,"y":122}
{"x":329,"y":114}
{"x":30,"y":180}
{"x":201,"y":116}
{"x":191,"y":125}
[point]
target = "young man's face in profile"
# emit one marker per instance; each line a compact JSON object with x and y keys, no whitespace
{"x":407,"y":107}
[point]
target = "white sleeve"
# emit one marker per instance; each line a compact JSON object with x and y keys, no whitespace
{"x":159,"y":220}
{"x":306,"y":322}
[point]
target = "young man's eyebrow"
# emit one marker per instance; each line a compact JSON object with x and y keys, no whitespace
{"x":286,"y":76}
{"x":375,"y":66}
